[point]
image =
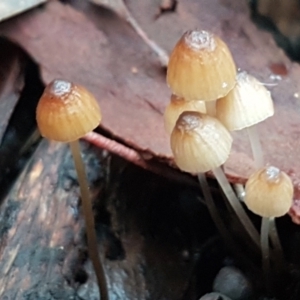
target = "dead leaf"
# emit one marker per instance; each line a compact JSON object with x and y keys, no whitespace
{"x":104,"y":52}
{"x":119,"y":7}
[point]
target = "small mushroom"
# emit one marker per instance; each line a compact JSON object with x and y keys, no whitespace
{"x":201,"y":143}
{"x":201,"y":68}
{"x":178,"y":105}
{"x":65,"y":113}
{"x":269,"y":194}
{"x":246,"y":105}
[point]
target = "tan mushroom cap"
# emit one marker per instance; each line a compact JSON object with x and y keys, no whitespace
{"x":247,"y":104}
{"x":269,"y":192}
{"x":201,"y":67}
{"x":199,"y":142}
{"x":66,"y":112}
{"x":178,"y":105}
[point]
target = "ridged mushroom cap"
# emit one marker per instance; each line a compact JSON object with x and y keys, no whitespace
{"x":199,"y":142}
{"x":247,"y":104}
{"x":269,"y":192}
{"x":178,"y":105}
{"x":67,"y":111}
{"x":201,"y":67}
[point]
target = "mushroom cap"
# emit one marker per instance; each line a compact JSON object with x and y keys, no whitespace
{"x":201,"y":67}
{"x":269,"y":192}
{"x":178,"y":105}
{"x":247,"y":104}
{"x":66,"y":111}
{"x":199,"y":142}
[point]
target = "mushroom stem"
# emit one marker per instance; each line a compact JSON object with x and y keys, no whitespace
{"x":214,"y":211}
{"x":240,"y":191}
{"x":265,"y":248}
{"x":256,"y":146}
{"x":236,"y":205}
{"x":278,"y":253}
{"x":89,"y":220}
{"x":268,"y":230}
{"x":211,"y":108}
{"x":225,"y":234}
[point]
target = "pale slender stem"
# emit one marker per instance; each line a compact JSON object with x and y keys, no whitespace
{"x":265,"y":248}
{"x":256,"y":146}
{"x":210,"y":108}
{"x":274,"y":235}
{"x":214,"y":211}
{"x":278,"y":253}
{"x":240,"y":191}
{"x":89,"y":220}
{"x":236,"y":205}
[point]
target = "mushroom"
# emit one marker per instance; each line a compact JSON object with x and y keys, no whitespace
{"x":176,"y":106}
{"x":201,"y":143}
{"x":247,"y":104}
{"x":201,"y":68}
{"x":269,"y":194}
{"x":65,"y":113}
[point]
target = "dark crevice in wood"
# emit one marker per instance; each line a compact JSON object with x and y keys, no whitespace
{"x":20,"y":140}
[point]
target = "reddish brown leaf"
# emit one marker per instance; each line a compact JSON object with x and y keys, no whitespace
{"x":119,"y":7}
{"x":103,"y":54}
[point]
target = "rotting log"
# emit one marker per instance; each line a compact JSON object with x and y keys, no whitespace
{"x":41,"y":237}
{"x":149,"y":233}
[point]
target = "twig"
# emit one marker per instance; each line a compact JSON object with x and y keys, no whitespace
{"x":136,"y":158}
{"x":120,"y":8}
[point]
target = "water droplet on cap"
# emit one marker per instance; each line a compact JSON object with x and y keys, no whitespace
{"x":272,"y":173}
{"x":60,"y":87}
{"x":200,"y":40}
{"x":275,"y":77}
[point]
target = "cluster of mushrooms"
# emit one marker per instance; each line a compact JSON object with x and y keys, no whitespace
{"x":210,"y":99}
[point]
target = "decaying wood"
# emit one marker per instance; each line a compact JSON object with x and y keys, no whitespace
{"x":41,"y":234}
{"x":142,"y":224}
{"x":284,"y":14}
